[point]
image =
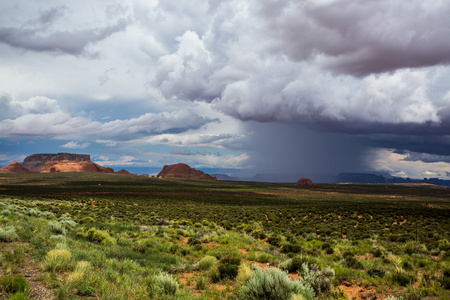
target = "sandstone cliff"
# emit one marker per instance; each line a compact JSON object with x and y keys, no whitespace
{"x":74,"y":166}
{"x":14,"y":167}
{"x":183,"y":171}
{"x":37,"y":161}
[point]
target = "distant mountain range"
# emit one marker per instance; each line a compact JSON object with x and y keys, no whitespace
{"x":341,"y":178}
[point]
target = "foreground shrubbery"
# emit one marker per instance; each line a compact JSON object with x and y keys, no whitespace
{"x":105,"y":254}
{"x":273,"y":284}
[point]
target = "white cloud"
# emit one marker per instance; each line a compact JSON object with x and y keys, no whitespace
{"x":385,"y":160}
{"x":76,"y":145}
{"x":125,"y":160}
{"x":52,"y":121}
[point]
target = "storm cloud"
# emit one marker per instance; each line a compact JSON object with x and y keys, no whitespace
{"x":282,"y":85}
{"x":39,"y":35}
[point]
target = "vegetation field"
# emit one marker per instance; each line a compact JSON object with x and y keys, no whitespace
{"x":108,"y":236}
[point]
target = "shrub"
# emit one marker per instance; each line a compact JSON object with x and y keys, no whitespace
{"x":8,"y":234}
{"x":86,"y":220}
{"x":206,"y":262}
{"x":414,"y":247}
{"x":376,"y":272}
{"x":100,"y":236}
{"x":5,"y":212}
{"x":295,"y":264}
{"x":14,"y":284}
{"x":274,"y":239}
{"x":67,"y":221}
{"x":58,"y":239}
{"x":351,"y":262}
{"x":164,"y":284}
{"x":56,"y":227}
{"x":200,"y":283}
{"x":57,"y":260}
{"x":401,"y":278}
{"x":442,"y":244}
{"x":82,"y":279}
{"x":244,"y":274}
{"x":320,"y":280}
{"x":229,"y":266}
{"x":291,"y":248}
{"x":272,"y":283}
{"x":445,"y":282}
{"x":19,"y":296}
{"x":214,"y":273}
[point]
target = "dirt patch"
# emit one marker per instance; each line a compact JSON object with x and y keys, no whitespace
{"x":31,"y":272}
{"x":360,"y":291}
{"x":243,"y":251}
{"x":184,"y":241}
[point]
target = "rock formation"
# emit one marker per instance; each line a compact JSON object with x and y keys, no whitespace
{"x":183,"y":171}
{"x":74,"y":166}
{"x":124,"y":172}
{"x":304,"y":182}
{"x":37,"y":161}
{"x":15,"y":167}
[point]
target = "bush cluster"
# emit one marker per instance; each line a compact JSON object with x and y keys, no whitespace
{"x":98,"y":236}
{"x":14,"y":284}
{"x":206,"y":262}
{"x":228,"y":266}
{"x":273,"y":284}
{"x":57,"y":260}
{"x":8,"y":233}
{"x":162,"y":284}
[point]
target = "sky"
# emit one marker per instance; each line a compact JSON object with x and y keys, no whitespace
{"x":285,"y":86}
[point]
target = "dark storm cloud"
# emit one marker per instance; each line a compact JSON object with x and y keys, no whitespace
{"x":370,"y":72}
{"x":425,"y":157}
{"x":292,"y":148}
{"x":36,"y":35}
{"x":360,"y":38}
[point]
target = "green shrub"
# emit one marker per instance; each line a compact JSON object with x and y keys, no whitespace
{"x":352,"y":262}
{"x":86,"y":220}
{"x":5,"y":212}
{"x":206,"y":262}
{"x":445,"y":282}
{"x":414,"y":247}
{"x":14,"y":284}
{"x":162,"y":284}
{"x":244,"y":274}
{"x":291,"y":248}
{"x":57,"y":239}
{"x":295,"y":264}
{"x":100,"y":236}
{"x":67,"y":221}
{"x":214,"y":273}
{"x":376,"y":272}
{"x":317,"y":278}
{"x":229,"y":266}
{"x":200,"y":283}
{"x":57,"y":260}
{"x":401,"y":278}
{"x":19,"y":296}
{"x":56,"y":227}
{"x":274,"y":239}
{"x":8,"y":234}
{"x":274,"y":284}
